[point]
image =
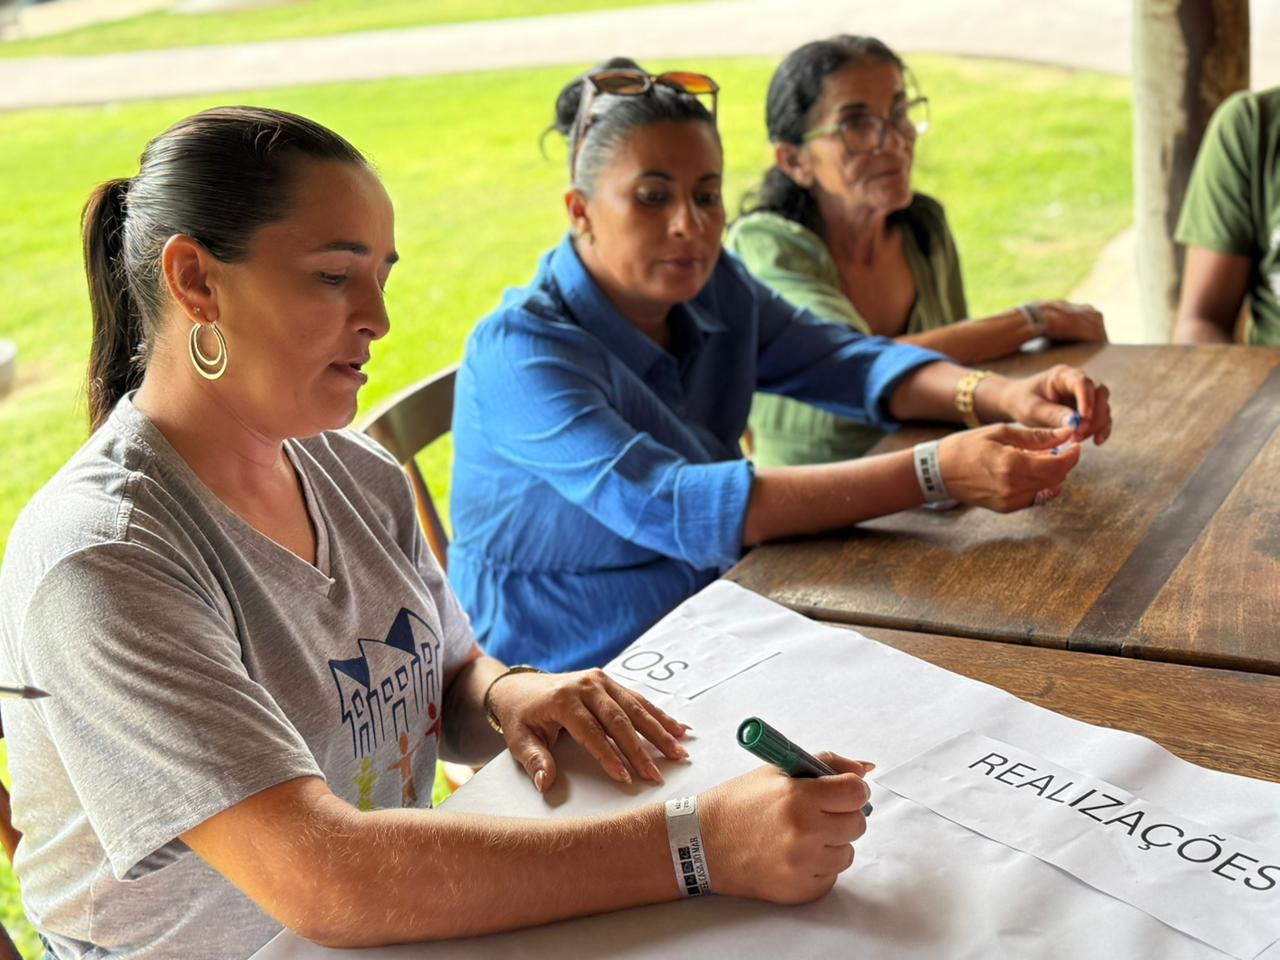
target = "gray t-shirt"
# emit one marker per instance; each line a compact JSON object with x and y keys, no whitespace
{"x":193,"y":662}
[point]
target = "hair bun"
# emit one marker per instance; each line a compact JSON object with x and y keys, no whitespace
{"x":567,"y":103}
{"x":618,"y":63}
{"x":569,"y":100}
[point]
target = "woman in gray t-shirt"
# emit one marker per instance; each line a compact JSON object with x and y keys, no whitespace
{"x":253,"y":660}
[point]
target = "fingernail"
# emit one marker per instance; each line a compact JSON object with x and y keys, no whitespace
{"x":681,"y":752}
{"x":625,"y":777}
{"x":1073,"y":421}
{"x":540,"y":780}
{"x":654,"y":773}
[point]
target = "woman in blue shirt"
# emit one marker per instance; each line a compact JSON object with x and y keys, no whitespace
{"x":598,"y":480}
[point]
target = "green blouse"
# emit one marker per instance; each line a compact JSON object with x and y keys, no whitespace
{"x":1233,"y":201}
{"x":795,"y":262}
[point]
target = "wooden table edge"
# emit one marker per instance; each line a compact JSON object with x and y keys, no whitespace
{"x":1126,"y":649}
{"x":1183,"y":705}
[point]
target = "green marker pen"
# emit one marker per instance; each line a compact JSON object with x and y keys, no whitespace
{"x":757,"y":737}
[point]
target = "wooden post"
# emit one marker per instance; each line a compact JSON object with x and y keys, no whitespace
{"x":1189,"y":55}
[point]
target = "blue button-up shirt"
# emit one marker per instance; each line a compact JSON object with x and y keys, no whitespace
{"x":597,"y":478}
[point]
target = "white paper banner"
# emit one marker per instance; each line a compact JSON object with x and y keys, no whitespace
{"x":923,"y":887}
{"x":683,"y":658}
{"x":1201,"y":880}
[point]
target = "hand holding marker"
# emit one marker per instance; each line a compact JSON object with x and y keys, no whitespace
{"x":757,"y":737}
{"x":1044,"y":496}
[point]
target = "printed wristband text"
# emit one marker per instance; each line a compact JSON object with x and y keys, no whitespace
{"x":687,"y":854}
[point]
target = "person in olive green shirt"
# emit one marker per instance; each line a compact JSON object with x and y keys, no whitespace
{"x":1230,"y":225}
{"x":836,"y":228}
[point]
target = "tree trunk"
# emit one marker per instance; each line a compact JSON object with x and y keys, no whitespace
{"x":1189,"y":56}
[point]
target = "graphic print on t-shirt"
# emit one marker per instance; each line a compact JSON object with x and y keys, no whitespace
{"x":364,"y":781}
{"x":391,"y":690}
{"x":408,"y":793}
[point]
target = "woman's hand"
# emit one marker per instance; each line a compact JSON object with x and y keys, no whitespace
{"x":1061,"y":396}
{"x":772,"y":837}
{"x":1005,"y":467}
{"x":1066,"y":322}
{"x":600,"y":714}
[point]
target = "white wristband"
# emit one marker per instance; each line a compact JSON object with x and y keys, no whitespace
{"x":928,"y":473}
{"x":687,"y":853}
{"x":1038,"y":325}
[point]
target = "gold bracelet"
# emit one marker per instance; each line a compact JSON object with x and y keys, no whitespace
{"x":488,"y":693}
{"x":966,"y":387}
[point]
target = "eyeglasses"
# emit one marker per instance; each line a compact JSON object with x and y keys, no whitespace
{"x":633,"y":83}
{"x":865,"y":132}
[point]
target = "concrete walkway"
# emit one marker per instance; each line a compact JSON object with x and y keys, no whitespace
{"x":1092,"y":34}
{"x":1085,"y":34}
{"x":32,"y":20}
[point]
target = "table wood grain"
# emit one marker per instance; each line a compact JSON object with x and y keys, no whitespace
{"x":1222,"y":602}
{"x":1165,"y":543}
{"x":1224,"y":719}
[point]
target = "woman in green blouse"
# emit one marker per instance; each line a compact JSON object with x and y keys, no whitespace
{"x":835,"y":227}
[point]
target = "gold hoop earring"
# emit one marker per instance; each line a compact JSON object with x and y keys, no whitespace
{"x":211,"y":368}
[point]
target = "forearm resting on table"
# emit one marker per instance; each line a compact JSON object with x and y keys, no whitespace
{"x":345,"y":878}
{"x":789,"y":501}
{"x":976,"y":341}
{"x":929,"y":393}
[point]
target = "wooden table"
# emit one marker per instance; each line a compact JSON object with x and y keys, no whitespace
{"x":1164,"y":545}
{"x":1222,"y":719}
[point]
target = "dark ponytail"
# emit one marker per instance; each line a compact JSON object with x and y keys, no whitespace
{"x":218,"y":177}
{"x":794,"y":91}
{"x":114,"y":366}
{"x":778,"y":193}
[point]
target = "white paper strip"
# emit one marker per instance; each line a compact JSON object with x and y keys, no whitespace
{"x":683,"y":658}
{"x":1199,"y":879}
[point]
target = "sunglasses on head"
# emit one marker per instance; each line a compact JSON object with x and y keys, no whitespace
{"x":634,"y":83}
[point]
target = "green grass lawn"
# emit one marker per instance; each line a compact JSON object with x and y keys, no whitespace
{"x":298,"y":18}
{"x":1032,"y":164}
